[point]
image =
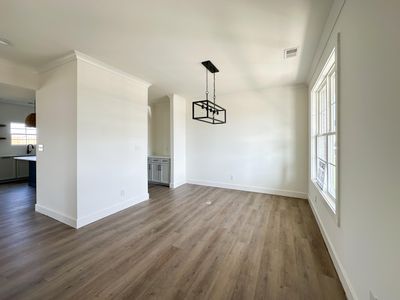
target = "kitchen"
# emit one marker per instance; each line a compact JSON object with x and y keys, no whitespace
{"x":17,"y":135}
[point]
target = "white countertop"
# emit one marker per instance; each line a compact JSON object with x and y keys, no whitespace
{"x":28,"y":158}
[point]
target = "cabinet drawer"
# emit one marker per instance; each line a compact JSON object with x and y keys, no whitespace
{"x":158,"y":160}
{"x":154,"y":160}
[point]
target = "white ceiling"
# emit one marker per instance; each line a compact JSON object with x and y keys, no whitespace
{"x":17,"y":95}
{"x":164,"y":41}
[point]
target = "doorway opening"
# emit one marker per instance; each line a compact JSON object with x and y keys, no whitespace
{"x":159,"y":140}
{"x":17,"y":149}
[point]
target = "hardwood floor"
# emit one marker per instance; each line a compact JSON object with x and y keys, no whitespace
{"x":175,"y":246}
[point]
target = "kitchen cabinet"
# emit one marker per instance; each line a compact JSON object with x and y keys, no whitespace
{"x":155,"y":172}
{"x":22,"y":168}
{"x":12,"y":169}
{"x":31,"y":160}
{"x":164,"y":173}
{"x":159,"y":170}
{"x":7,"y":168}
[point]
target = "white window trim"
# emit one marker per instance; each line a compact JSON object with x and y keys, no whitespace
{"x":333,"y":205}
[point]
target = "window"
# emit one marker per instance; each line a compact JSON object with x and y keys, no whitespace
{"x":323,"y":133}
{"x":22,"y":135}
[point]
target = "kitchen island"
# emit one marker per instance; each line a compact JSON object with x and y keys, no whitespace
{"x":32,"y":168}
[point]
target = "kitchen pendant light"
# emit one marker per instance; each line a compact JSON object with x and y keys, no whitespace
{"x":205,"y":110}
{"x":30,"y":120}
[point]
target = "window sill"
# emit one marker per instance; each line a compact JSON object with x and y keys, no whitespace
{"x":329,"y":202}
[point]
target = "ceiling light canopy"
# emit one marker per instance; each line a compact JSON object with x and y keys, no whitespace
{"x":205,"y":110}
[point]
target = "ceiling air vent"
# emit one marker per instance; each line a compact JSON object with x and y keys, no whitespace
{"x":291,"y":52}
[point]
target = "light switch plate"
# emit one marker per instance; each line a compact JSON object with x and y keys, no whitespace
{"x":40,"y":148}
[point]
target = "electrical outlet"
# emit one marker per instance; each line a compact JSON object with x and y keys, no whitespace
{"x":231,"y":177}
{"x":122,"y":193}
{"x":40,"y":148}
{"x":372,"y":296}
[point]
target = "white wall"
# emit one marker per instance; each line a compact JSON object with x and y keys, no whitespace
{"x":178,"y":140}
{"x":366,"y":246}
{"x":12,"y":113}
{"x":112,"y":142}
{"x":159,"y":128}
{"x":262,"y":147}
{"x":56,"y":108}
{"x":16,"y":75}
{"x":92,"y":121}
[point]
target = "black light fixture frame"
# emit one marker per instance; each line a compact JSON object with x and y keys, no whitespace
{"x":212,"y":112}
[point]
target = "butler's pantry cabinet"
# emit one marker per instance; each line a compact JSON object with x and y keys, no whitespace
{"x":159,"y":169}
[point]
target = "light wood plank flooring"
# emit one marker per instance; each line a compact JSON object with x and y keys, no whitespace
{"x":175,"y":246}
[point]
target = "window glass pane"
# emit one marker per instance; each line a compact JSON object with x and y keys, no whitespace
{"x":332,"y":180}
{"x":17,"y":130}
{"x":313,"y":117}
{"x":30,"y":130}
{"x":18,"y":140}
{"x":332,"y":149}
{"x":321,"y":174}
{"x":322,"y":110}
{"x":31,"y":141}
{"x":313,"y":158}
{"x":333,"y":103}
{"x":21,"y":135}
{"x":17,"y":125}
{"x":321,"y":147}
{"x":332,"y":79}
{"x":333,"y":117}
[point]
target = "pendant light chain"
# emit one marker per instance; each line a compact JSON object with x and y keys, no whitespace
{"x":214,"y":88}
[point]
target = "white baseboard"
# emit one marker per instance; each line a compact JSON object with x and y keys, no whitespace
{"x":174,"y":185}
{"x":110,"y":210}
{"x":254,"y":189}
{"x":344,"y":279}
{"x":56,"y":215}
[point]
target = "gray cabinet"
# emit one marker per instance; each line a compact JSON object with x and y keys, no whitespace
{"x":155,"y":172}
{"x":164,"y":173}
{"x":159,"y":170}
{"x":7,"y":168}
{"x":12,"y":169}
{"x":22,"y":168}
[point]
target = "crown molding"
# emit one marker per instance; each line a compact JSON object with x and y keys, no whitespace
{"x":86,"y":58}
{"x":79,"y":56}
{"x":57,"y":62}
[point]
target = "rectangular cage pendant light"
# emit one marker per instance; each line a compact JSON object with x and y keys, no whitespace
{"x":205,"y":110}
